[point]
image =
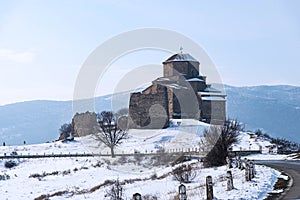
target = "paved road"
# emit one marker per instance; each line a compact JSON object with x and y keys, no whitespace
{"x":292,"y":168}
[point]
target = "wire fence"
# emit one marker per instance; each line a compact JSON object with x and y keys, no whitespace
{"x":185,"y":152}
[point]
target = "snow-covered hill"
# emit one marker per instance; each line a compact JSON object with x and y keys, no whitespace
{"x":249,"y":141}
{"x":90,"y":178}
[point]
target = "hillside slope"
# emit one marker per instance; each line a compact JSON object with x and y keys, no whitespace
{"x":275,"y":109}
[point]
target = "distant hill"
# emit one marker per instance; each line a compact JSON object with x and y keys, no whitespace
{"x":275,"y":109}
{"x":39,"y":121}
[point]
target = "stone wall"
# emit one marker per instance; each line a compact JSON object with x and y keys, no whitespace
{"x":213,"y":112}
{"x":188,"y":69}
{"x":149,"y":111}
{"x":185,"y":104}
{"x":84,"y":124}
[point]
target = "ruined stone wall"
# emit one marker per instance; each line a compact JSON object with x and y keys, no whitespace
{"x":149,"y":111}
{"x":170,"y":101}
{"x":84,"y":124}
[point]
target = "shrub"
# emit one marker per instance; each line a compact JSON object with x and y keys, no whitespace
{"x":66,"y":132}
{"x":219,"y":139}
{"x":10,"y":164}
{"x":153,"y":176}
{"x":184,"y":173}
{"x":115,"y":192}
{"x":4,"y":177}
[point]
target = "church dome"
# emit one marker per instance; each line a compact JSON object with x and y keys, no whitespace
{"x":180,"y":57}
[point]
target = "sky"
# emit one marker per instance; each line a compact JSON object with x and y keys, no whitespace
{"x":43,"y":44}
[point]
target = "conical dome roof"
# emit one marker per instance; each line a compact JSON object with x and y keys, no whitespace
{"x":180,"y":57}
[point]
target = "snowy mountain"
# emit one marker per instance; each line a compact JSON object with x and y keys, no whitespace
{"x":275,"y":109}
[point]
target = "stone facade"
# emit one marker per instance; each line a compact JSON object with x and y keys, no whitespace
{"x":84,"y":124}
{"x":148,"y":109}
{"x":181,"y":93}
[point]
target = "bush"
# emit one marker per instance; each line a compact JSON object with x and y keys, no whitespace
{"x":4,"y":177}
{"x":115,"y":192}
{"x":219,"y":139}
{"x":259,"y":132}
{"x":184,"y":173}
{"x":10,"y":164}
{"x":66,"y":132}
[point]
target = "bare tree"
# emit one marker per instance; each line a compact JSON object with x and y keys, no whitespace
{"x":111,"y":134}
{"x":219,"y":139}
{"x":115,"y":192}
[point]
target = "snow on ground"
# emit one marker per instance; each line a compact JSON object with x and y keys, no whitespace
{"x":73,"y":176}
{"x":273,"y":157}
{"x":249,"y":141}
{"x":267,"y":157}
{"x":87,"y":176}
{"x":81,"y":178}
{"x":143,"y":141}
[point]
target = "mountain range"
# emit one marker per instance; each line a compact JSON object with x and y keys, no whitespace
{"x":273,"y":109}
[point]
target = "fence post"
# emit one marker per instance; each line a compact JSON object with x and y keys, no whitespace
{"x":251,"y":169}
{"x":239,"y":163}
{"x":247,"y":171}
{"x":229,"y":181}
{"x":254,"y":172}
{"x":247,"y":174}
{"x":182,"y":192}
{"x":229,"y":162}
{"x":137,"y":196}
{"x":245,"y":164}
{"x":209,"y":188}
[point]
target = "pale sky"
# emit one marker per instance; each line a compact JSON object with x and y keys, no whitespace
{"x":43,"y":44}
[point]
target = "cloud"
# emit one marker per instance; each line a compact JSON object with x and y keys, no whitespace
{"x":14,"y":56}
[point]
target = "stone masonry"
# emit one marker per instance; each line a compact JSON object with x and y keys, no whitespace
{"x":84,"y":124}
{"x":181,"y":93}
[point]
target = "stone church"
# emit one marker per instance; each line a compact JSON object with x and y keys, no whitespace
{"x":181,"y":93}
